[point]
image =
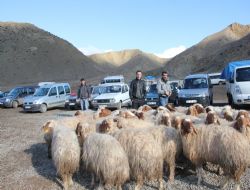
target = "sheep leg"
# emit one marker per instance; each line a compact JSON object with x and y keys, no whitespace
{"x":92,"y":180}
{"x":225,"y":182}
{"x":65,"y":182}
{"x":237,"y":186}
{"x":70,"y":180}
{"x":119,"y":187}
{"x":171,"y":172}
{"x":49,"y":151}
{"x":199,"y":174}
{"x":160,"y":181}
{"x":138,"y":184}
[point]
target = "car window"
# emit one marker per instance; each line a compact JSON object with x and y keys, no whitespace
{"x":60,"y":90}
{"x":67,"y":89}
{"x":31,"y":90}
{"x":53,"y":92}
{"x":193,"y":83}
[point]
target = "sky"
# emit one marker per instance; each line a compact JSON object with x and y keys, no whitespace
{"x":162,"y":27}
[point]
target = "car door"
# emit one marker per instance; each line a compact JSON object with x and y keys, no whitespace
{"x":125,"y":94}
{"x":61,"y":95}
{"x":52,"y":97}
{"x":22,"y":94}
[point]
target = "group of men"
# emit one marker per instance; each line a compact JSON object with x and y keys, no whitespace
{"x":137,"y":91}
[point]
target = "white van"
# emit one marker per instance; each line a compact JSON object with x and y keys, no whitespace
{"x":114,"y":95}
{"x":215,"y":79}
{"x":47,"y":96}
{"x":237,"y":75}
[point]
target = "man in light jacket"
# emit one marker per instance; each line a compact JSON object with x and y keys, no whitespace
{"x":84,"y":95}
{"x":164,"y":89}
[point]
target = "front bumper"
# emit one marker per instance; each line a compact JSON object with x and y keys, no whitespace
{"x":242,"y":99}
{"x":107,"y":105}
{"x":32,"y":107}
{"x":192,"y":100}
{"x":6,"y":104}
{"x":72,"y":105}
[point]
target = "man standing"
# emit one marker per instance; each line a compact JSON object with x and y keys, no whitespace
{"x":163,"y":89}
{"x":83,"y":94}
{"x":137,"y":91}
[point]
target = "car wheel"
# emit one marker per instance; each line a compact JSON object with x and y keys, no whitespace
{"x":220,"y":83}
{"x":43,"y":108}
{"x":119,"y":105}
{"x":14,"y":104}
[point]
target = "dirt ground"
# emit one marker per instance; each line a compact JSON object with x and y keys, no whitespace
{"x":24,"y":163}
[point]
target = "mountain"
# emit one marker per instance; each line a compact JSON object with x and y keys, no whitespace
{"x":29,"y":54}
{"x":126,"y":62}
{"x":212,"y":53}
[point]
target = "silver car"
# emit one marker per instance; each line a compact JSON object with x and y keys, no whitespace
{"x":47,"y":96}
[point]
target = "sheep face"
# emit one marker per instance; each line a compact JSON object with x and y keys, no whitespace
{"x":192,"y":111}
{"x":241,"y":123}
{"x":146,"y":108}
{"x":106,"y":126}
{"x":242,"y":112}
{"x":47,"y":128}
{"x":199,"y":108}
{"x":78,"y":112}
{"x":104,"y":112}
{"x":187,"y":127}
{"x":212,"y":118}
{"x":228,"y":116}
{"x":208,"y":109}
{"x":140,"y":115}
{"x":176,"y":122}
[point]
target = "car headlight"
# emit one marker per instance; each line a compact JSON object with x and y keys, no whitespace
{"x":7,"y":100}
{"x":66,"y":101}
{"x":112,"y":100}
{"x":94,"y":101}
{"x":237,"y":89}
{"x":35,"y":102}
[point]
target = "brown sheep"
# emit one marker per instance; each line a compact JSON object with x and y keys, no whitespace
{"x":192,"y":111}
{"x":170,"y":107}
{"x":200,"y":109}
{"x":144,"y":108}
{"x":212,"y":118}
{"x":243,"y":112}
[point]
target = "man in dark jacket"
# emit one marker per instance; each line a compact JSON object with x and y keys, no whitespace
{"x":83,"y":94}
{"x":137,"y":91}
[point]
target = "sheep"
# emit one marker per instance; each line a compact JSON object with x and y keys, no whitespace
{"x":127,"y":114}
{"x":163,"y":118}
{"x":242,"y":124}
{"x":212,"y":118}
{"x":227,"y":113}
{"x":144,"y":108}
{"x":102,"y":112}
{"x":170,"y":107}
{"x":225,"y":147}
{"x":104,"y":156}
{"x":199,"y":108}
{"x":209,"y":108}
{"x":243,"y":112}
{"x":192,"y":111}
{"x":65,"y":154}
{"x":144,"y":155}
{"x":83,"y":129}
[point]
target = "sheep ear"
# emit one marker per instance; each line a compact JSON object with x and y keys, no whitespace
{"x":218,"y":121}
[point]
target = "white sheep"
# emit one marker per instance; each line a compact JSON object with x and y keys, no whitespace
{"x":223,"y":146}
{"x":144,"y":155}
{"x":104,"y":156}
{"x":65,"y":154}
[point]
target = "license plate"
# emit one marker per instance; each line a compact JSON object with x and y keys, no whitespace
{"x":151,"y":103}
{"x":27,"y":107}
{"x":71,"y":104}
{"x":191,"y":101}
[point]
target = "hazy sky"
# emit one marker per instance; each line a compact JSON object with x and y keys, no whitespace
{"x":162,"y":27}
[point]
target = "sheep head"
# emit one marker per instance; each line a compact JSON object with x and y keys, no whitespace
{"x":228,"y":115}
{"x":104,"y":112}
{"x":187,"y":127}
{"x":47,"y":128}
{"x":144,"y":108}
{"x":166,"y":119}
{"x":199,"y":108}
{"x":208,"y":109}
{"x":78,"y":112}
{"x":176,"y":122}
{"x":192,"y":111}
{"x":140,"y":115}
{"x":170,"y":107}
{"x":107,"y":126}
{"x":242,"y":123}
{"x":212,"y":118}
{"x":243,"y":112}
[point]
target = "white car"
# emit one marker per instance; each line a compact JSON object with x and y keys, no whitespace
{"x":115,"y":95}
{"x":215,"y":79}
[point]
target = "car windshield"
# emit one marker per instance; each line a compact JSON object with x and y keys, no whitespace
{"x":152,"y":88}
{"x":14,"y":92}
{"x":193,"y":83}
{"x":243,"y":74}
{"x":112,"y":89}
{"x":98,"y":90}
{"x":41,"y":92}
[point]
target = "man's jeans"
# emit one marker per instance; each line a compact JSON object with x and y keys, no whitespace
{"x":163,"y":101}
{"x":84,"y":104}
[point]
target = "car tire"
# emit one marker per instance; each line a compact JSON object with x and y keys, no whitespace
{"x":220,"y":83}
{"x":119,"y":105}
{"x":43,"y":108}
{"x":14,"y":104}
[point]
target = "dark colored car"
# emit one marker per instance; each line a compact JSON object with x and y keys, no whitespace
{"x":16,"y":96}
{"x":152,"y":96}
{"x":72,"y":102}
{"x":175,"y":90}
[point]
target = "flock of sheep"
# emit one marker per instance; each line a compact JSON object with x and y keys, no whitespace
{"x":135,"y":144}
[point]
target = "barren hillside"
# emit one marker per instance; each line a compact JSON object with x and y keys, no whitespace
{"x":29,"y":54}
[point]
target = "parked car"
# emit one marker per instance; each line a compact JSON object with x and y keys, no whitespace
{"x":4,"y":94}
{"x":215,"y":79}
{"x":47,"y":96}
{"x":237,"y":75}
{"x":152,"y":96}
{"x":16,"y":96}
{"x":175,"y":87}
{"x":197,"y":89}
{"x":114,"y":95}
{"x":113,"y":79}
